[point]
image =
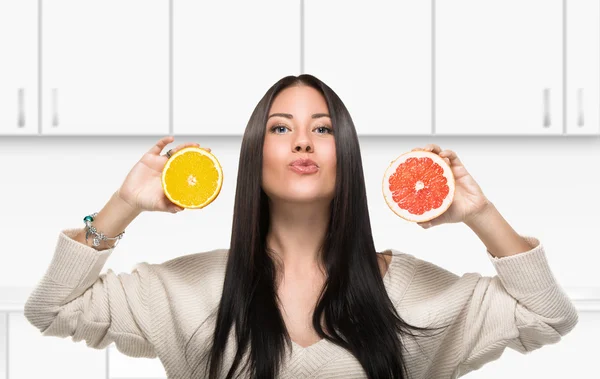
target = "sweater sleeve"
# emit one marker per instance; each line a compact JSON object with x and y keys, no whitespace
{"x":73,"y":299}
{"x":522,"y":307}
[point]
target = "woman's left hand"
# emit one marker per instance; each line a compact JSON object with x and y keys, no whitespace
{"x":468,"y":200}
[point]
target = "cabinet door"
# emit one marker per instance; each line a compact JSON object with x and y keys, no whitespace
{"x":18,"y":67}
{"x":226,"y":55}
{"x":105,"y":67}
{"x":498,"y":67}
{"x":376,"y":56}
{"x":52,"y":357}
{"x":122,"y":366}
{"x":583,"y":67}
{"x":3,"y":345}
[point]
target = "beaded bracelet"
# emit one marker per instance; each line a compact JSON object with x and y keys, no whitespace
{"x":90,"y":229}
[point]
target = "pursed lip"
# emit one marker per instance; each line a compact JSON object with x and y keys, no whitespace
{"x":303,"y":162}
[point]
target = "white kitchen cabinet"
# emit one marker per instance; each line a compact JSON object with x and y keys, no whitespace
{"x":105,"y":67}
{"x":33,"y":355}
{"x":3,"y":345}
{"x":498,"y":67}
{"x":376,"y":56}
{"x":226,"y":55}
{"x":583,"y":67}
{"x":123,"y":366}
{"x":19,"y":67}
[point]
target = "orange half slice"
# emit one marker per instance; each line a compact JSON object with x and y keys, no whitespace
{"x":192,"y":178}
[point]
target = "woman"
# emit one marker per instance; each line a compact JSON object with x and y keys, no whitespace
{"x":301,"y":292}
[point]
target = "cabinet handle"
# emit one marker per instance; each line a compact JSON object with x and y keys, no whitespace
{"x":580,"y":107}
{"x":546,"y":107}
{"x":21,"y":114}
{"x":54,"y":107}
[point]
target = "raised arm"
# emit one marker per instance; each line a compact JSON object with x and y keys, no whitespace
{"x":523,"y":308}
{"x":73,"y":299}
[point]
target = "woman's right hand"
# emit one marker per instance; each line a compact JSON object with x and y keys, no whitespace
{"x":142,"y":188}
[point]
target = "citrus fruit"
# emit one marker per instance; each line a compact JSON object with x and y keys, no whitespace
{"x":192,"y":177}
{"x":418,"y":186}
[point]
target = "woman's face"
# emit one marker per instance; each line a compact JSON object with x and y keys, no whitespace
{"x":299,"y":126}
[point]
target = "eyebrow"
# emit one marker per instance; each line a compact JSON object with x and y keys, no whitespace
{"x":287,"y":115}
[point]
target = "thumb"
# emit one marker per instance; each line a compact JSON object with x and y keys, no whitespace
{"x":425,"y":224}
{"x":166,"y":205}
{"x":433,"y":222}
{"x":176,"y":209}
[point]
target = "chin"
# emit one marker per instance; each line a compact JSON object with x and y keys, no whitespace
{"x":299,"y":196}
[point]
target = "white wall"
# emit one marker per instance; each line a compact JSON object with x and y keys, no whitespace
{"x":546,"y":187}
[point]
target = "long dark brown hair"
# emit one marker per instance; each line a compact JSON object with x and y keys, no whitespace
{"x":354,"y":303}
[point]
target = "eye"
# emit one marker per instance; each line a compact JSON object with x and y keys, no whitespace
{"x":278,"y":127}
{"x":329,"y":130}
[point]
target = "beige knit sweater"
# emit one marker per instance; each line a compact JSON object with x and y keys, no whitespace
{"x":154,"y":310}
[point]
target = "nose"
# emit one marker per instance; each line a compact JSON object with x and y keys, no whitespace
{"x":304,"y":145}
{"x":302,"y":141}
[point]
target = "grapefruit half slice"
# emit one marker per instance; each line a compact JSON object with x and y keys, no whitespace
{"x":418,"y":186}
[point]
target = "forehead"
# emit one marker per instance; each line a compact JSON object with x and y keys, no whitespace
{"x":299,"y":100}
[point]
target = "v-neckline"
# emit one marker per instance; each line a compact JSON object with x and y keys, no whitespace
{"x":317,"y":345}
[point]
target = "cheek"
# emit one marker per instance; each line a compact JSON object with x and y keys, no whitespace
{"x":270,"y":156}
{"x":272,"y":163}
{"x":330,"y":154}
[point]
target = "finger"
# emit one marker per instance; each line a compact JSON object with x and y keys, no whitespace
{"x":183,"y":145}
{"x":451,"y":156}
{"x":189,"y":144}
{"x":433,"y":148}
{"x":429,"y":147}
{"x":160,"y":145}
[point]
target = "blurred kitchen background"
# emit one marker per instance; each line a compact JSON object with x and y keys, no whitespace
{"x":87,"y":87}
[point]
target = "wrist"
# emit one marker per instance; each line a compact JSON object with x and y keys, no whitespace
{"x":118,"y":199}
{"x":484,"y":213}
{"x":115,"y":216}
